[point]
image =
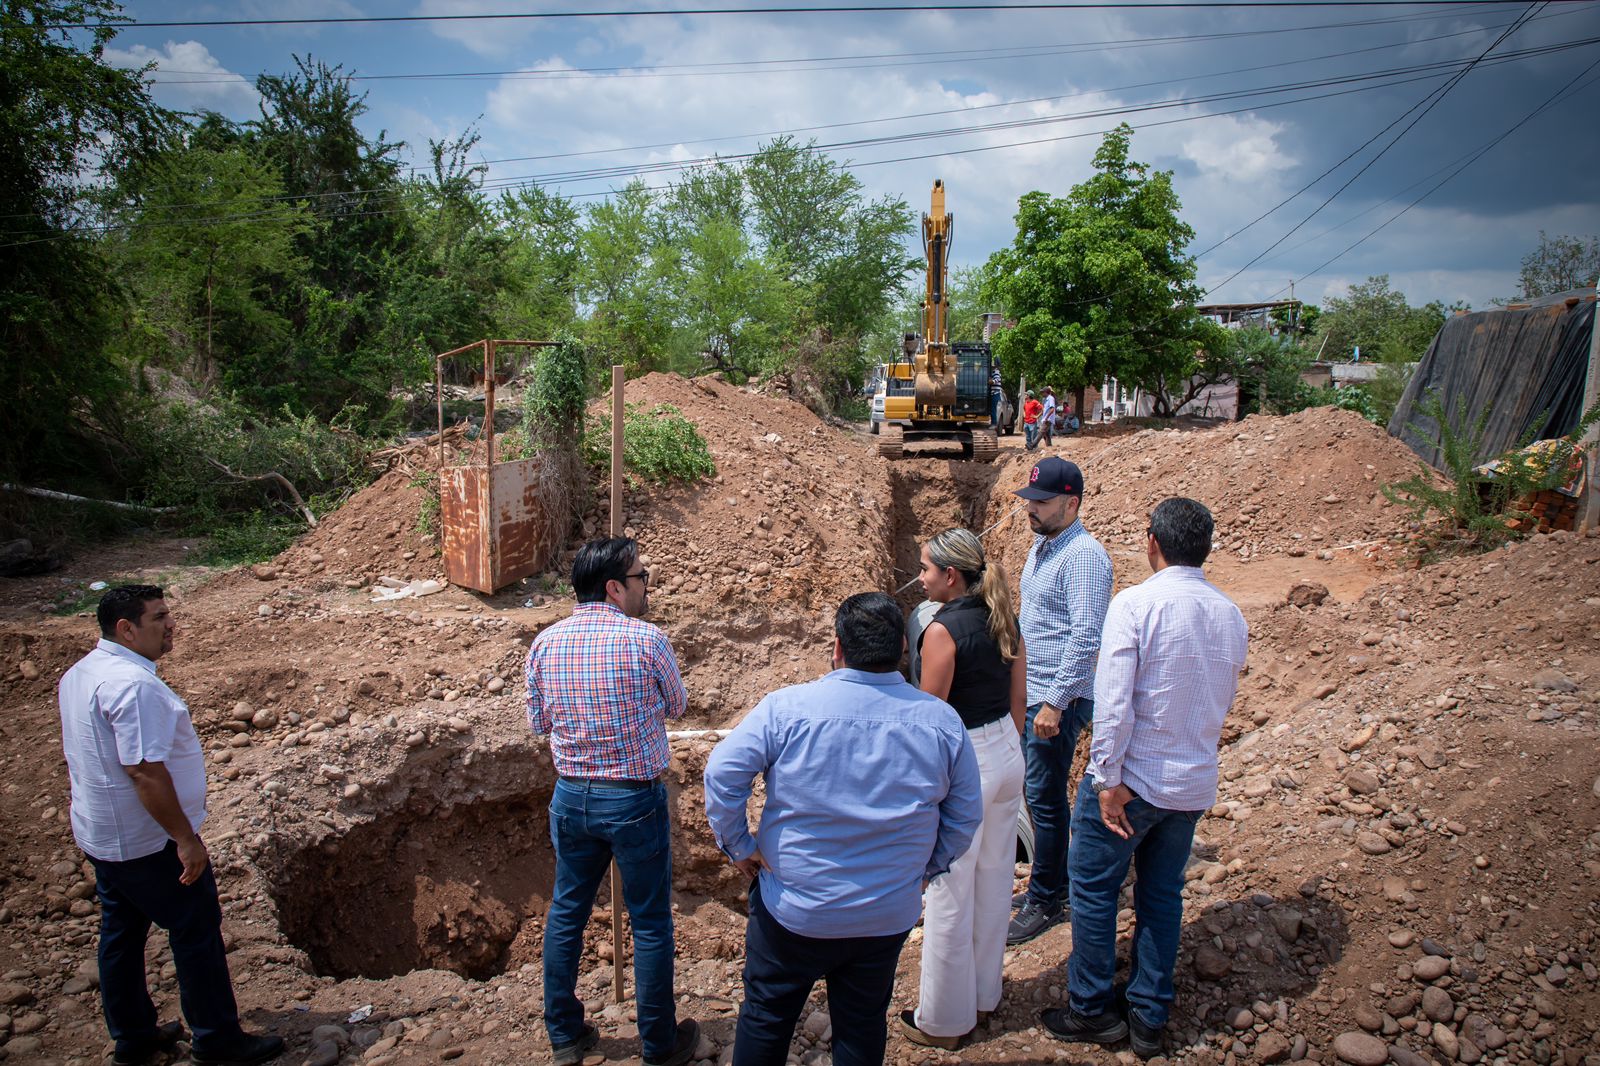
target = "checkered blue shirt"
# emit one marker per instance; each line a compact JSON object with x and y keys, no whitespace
{"x":1066,"y":588}
{"x":601,"y":685}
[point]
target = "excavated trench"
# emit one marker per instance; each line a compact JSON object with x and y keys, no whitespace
{"x":455,"y":871}
{"x":452,"y":868}
{"x":929,"y":496}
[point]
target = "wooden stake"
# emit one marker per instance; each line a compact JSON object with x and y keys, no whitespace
{"x":616,"y":531}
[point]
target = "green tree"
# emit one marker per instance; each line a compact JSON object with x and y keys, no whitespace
{"x":1376,"y":318}
{"x":620,"y":278}
{"x":68,"y":122}
{"x":204,"y":232}
{"x":733,"y":307}
{"x":812,"y":222}
{"x":1099,"y":282}
{"x":1559,"y":264}
{"x":546,"y":259}
{"x":443,"y":284}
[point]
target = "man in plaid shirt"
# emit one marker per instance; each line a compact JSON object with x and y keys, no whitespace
{"x":601,"y":685}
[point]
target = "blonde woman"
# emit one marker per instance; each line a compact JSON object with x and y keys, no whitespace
{"x":972,"y":658}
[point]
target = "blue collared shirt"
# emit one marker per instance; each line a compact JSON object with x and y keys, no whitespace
{"x":1066,"y":588}
{"x":872,"y":787}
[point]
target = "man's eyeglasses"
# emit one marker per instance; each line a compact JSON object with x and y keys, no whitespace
{"x":642,"y":575}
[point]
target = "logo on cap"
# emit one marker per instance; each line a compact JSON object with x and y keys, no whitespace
{"x":1033,"y":476}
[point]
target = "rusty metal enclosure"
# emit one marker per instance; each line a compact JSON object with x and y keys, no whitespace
{"x":490,"y":518}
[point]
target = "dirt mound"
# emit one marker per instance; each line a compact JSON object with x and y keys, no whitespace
{"x":747,"y":568}
{"x":1302,"y":484}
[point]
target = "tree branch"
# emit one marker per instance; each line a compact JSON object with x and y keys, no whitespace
{"x":277,"y":478}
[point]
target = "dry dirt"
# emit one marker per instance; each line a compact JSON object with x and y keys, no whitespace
{"x":1406,"y":847}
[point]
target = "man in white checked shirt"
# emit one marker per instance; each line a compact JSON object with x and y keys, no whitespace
{"x":1170,"y":657}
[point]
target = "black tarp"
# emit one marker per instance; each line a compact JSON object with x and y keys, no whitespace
{"x":1525,"y":363}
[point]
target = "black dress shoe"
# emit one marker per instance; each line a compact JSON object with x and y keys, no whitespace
{"x":1067,"y":1024}
{"x":244,"y":1050}
{"x":683,"y":1047}
{"x":1029,"y":921}
{"x":572,"y":1054}
{"x":139,"y":1052}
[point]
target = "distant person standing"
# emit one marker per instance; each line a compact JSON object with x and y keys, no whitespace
{"x":601,"y":685}
{"x":872,"y":790}
{"x":1169,"y":669}
{"x":997,"y":395}
{"x":1047,"y":417}
{"x":1031,"y":409}
{"x":1066,"y":587}
{"x":973,"y":658}
{"x":138,"y":800}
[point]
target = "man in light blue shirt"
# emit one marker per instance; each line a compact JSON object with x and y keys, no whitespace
{"x":872,"y":790}
{"x":1066,"y":588}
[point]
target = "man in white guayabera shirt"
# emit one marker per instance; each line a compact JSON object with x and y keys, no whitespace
{"x":138,"y":798}
{"x":1170,"y":657}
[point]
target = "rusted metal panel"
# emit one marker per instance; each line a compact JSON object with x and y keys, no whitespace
{"x":464,"y":540}
{"x":490,"y":518}
{"x":517,"y":530}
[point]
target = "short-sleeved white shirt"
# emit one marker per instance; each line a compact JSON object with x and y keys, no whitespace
{"x":115,"y":712}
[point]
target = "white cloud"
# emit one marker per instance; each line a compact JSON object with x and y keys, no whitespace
{"x":1241,"y":147}
{"x":187,"y":77}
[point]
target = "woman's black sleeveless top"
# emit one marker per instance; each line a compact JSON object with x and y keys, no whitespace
{"x":981,"y":689}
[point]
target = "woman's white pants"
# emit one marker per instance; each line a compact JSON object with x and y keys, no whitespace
{"x":966,"y":911}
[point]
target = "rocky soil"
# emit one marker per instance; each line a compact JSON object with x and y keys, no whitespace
{"x":1402,"y":864}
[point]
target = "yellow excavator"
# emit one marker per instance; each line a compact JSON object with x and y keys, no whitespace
{"x":935,"y":390}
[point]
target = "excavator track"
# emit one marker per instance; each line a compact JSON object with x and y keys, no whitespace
{"x":985,"y":445}
{"x":891,"y":442}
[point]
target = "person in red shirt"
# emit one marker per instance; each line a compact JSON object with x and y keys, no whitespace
{"x":1031,"y":410}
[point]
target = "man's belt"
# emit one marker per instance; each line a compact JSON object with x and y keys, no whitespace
{"x":609,"y":782}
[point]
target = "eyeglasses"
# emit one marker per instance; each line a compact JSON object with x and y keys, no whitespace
{"x":643,"y":576}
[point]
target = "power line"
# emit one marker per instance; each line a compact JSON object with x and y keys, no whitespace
{"x":830,"y":9}
{"x":760,"y":66}
{"x":1549,"y":102}
{"x":631,"y":170}
{"x":395,"y":194}
{"x":1438,"y":95}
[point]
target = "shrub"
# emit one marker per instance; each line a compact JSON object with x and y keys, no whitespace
{"x":1479,"y":510}
{"x":218,"y":458}
{"x":252,"y":538}
{"x":552,"y":430}
{"x":659,"y":445}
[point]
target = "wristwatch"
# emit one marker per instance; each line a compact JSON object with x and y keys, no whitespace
{"x":1100,"y":786}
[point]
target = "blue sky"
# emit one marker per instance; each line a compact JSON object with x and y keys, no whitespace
{"x":551,"y":97}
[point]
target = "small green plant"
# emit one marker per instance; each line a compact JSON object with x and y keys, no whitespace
{"x":428,"y":513}
{"x":251,"y":538}
{"x":1480,"y":507}
{"x":659,"y":445}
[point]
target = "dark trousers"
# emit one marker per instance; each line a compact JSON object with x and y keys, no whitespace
{"x":1049,"y":763}
{"x":780,"y":969}
{"x":136,"y":894}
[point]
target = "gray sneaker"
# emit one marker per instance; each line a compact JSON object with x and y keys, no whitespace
{"x":1031,"y":919}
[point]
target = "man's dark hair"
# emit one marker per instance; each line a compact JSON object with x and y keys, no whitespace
{"x":124,"y":601}
{"x":871,"y":631}
{"x":600,"y":560}
{"x":1182,"y":527}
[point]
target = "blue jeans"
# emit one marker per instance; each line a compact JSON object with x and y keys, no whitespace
{"x":994,"y":410}
{"x":1049,"y":803}
{"x":1030,"y":435}
{"x":1159,"y":850}
{"x":780,"y":969}
{"x":142,"y":892}
{"x":590,"y":824}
